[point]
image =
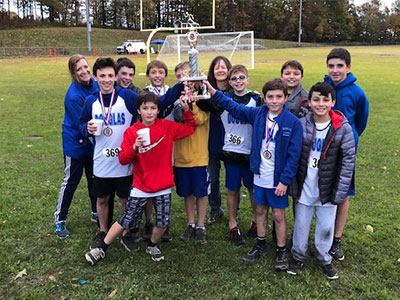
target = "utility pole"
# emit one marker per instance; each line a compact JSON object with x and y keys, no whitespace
{"x":88,"y":28}
{"x":300,"y":30}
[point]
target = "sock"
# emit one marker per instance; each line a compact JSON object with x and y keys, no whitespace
{"x":149,"y":221}
{"x":134,"y":230}
{"x":282,"y":249}
{"x":201,"y":227}
{"x":104,"y":246}
{"x":151,"y":244}
{"x":261,"y":241}
{"x":337,"y":240}
{"x":192,"y":225}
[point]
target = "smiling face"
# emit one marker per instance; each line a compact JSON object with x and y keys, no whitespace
{"x":82,"y":71}
{"x":275,"y":99}
{"x":238,"y":81}
{"x":125,"y":77}
{"x":337,"y":70}
{"x":157,"y":76}
{"x":292,"y":77}
{"x":320,"y":106}
{"x":148,"y":112}
{"x":106,"y":78}
{"x":220,"y":71}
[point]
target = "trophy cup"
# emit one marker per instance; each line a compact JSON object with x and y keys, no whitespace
{"x":192,"y":36}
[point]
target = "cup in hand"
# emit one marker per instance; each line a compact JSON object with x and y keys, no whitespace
{"x":145,"y":134}
{"x":99,"y":126}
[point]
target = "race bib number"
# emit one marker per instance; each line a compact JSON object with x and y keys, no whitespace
{"x":313,"y":164}
{"x":235,"y":139}
{"x":111,"y":152}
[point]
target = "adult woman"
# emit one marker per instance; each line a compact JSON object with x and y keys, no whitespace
{"x":78,"y":151}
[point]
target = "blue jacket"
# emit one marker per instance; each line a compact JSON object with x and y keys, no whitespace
{"x":352,"y":102}
{"x":288,"y":138}
{"x":74,"y":143}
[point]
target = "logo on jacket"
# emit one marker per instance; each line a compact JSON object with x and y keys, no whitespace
{"x":149,"y":147}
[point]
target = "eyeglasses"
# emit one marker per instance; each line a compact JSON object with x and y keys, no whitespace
{"x":240,"y":78}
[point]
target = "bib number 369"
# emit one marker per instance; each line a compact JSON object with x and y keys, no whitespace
{"x":235,"y":139}
{"x":111,"y":152}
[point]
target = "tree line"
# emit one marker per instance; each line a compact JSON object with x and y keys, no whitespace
{"x":322,"y":20}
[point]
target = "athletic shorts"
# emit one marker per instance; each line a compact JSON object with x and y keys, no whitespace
{"x":235,"y":174}
{"x":191,"y":181}
{"x":134,"y":208}
{"x":105,"y":186}
{"x":263,"y":196}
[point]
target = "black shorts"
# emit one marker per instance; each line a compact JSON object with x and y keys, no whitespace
{"x":104,"y":186}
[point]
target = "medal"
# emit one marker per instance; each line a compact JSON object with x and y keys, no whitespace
{"x":108,"y":131}
{"x":267,"y":154}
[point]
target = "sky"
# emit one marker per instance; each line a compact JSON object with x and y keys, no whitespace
{"x":387,"y":3}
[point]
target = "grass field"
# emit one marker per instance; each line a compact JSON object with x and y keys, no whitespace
{"x":31,"y":99}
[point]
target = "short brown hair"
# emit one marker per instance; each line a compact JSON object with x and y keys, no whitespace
{"x":73,"y":60}
{"x":181,"y":65}
{"x":145,"y":97}
{"x":237,"y":68}
{"x":275,"y":84}
{"x":294,"y":64}
{"x":156,"y":64}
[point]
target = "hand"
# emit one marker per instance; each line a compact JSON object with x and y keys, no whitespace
{"x":138,"y":143}
{"x":211,"y":90}
{"x":281,"y":189}
{"x":91,"y":127}
{"x":184,"y":101}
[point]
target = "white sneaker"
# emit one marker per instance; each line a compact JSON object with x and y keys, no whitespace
{"x":155,"y":253}
{"x":94,"y":255}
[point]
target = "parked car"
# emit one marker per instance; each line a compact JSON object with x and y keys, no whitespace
{"x":132,"y":46}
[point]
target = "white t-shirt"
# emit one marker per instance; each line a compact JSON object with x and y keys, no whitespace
{"x":310,"y":193}
{"x":266,"y":177}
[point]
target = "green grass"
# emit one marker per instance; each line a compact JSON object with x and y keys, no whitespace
{"x":31,"y":99}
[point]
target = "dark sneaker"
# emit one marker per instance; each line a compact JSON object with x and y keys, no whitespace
{"x":155,"y":253}
{"x":252,"y":233}
{"x":201,"y":236}
{"x":337,"y":252}
{"x":61,"y":230}
{"x":294,"y":266}
{"x":94,"y":255}
{"x":98,"y":241}
{"x":281,"y":261}
{"x":166,"y":237}
{"x":188,"y":233}
{"x":148,"y":230}
{"x":254,"y":254}
{"x":329,"y":271}
{"x":93,"y":217}
{"x":215,"y":217}
{"x":236,"y":238}
{"x":131,"y":241}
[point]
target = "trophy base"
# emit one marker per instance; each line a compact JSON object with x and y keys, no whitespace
{"x":194,"y":78}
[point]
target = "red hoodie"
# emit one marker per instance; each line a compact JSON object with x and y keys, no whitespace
{"x":152,"y":164}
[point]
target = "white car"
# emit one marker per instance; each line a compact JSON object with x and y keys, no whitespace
{"x":132,"y":46}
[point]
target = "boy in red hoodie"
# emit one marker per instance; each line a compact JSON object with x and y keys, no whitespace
{"x":152,"y":172}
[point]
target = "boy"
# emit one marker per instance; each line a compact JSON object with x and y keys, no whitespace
{"x":324,"y":176}
{"x":153,"y":177}
{"x":116,"y":107}
{"x":190,"y":160}
{"x":125,"y":69}
{"x":352,"y":102}
{"x":292,"y":73}
{"x":274,"y":158}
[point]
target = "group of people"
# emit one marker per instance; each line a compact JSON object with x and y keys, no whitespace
{"x":283,"y":142}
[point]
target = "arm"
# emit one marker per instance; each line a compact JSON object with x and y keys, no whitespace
{"x":200,"y":116}
{"x":85,"y":117}
{"x":346,"y":165}
{"x":184,"y":130}
{"x":171,"y":95}
{"x":362,"y":112}
{"x":128,"y":153}
{"x":130,"y":98}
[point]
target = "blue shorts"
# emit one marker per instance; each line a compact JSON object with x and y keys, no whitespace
{"x":263,"y":196}
{"x":191,"y":181}
{"x":234,"y":175}
{"x":352,"y":188}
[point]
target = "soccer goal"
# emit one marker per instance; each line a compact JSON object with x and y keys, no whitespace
{"x":237,"y":46}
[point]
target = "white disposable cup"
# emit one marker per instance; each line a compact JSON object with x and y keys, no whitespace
{"x":145,"y":134}
{"x":99,"y":126}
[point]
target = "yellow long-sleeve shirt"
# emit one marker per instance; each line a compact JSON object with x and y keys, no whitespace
{"x":193,"y":150}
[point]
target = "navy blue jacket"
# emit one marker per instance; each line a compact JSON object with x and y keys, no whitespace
{"x":289,"y":137}
{"x":75,"y":144}
{"x":352,"y":102}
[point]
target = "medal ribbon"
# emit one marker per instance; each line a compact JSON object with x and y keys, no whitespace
{"x":107,"y":119}
{"x":269,"y":134}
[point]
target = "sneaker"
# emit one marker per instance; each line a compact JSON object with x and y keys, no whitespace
{"x":294,"y":266}
{"x":93,"y":217}
{"x":131,"y":241}
{"x":281,"y":261}
{"x":252,"y":233}
{"x":148,"y":230}
{"x":98,"y":240}
{"x":336,"y":251}
{"x":155,"y":253}
{"x":215,"y":217}
{"x":329,"y":271}
{"x":236,"y":238}
{"x":61,"y":230}
{"x":188,"y":233}
{"x":94,"y":255}
{"x":254,"y":254}
{"x":166,"y":237}
{"x":201,"y":236}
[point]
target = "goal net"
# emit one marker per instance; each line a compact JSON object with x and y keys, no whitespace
{"x":238,"y":47}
